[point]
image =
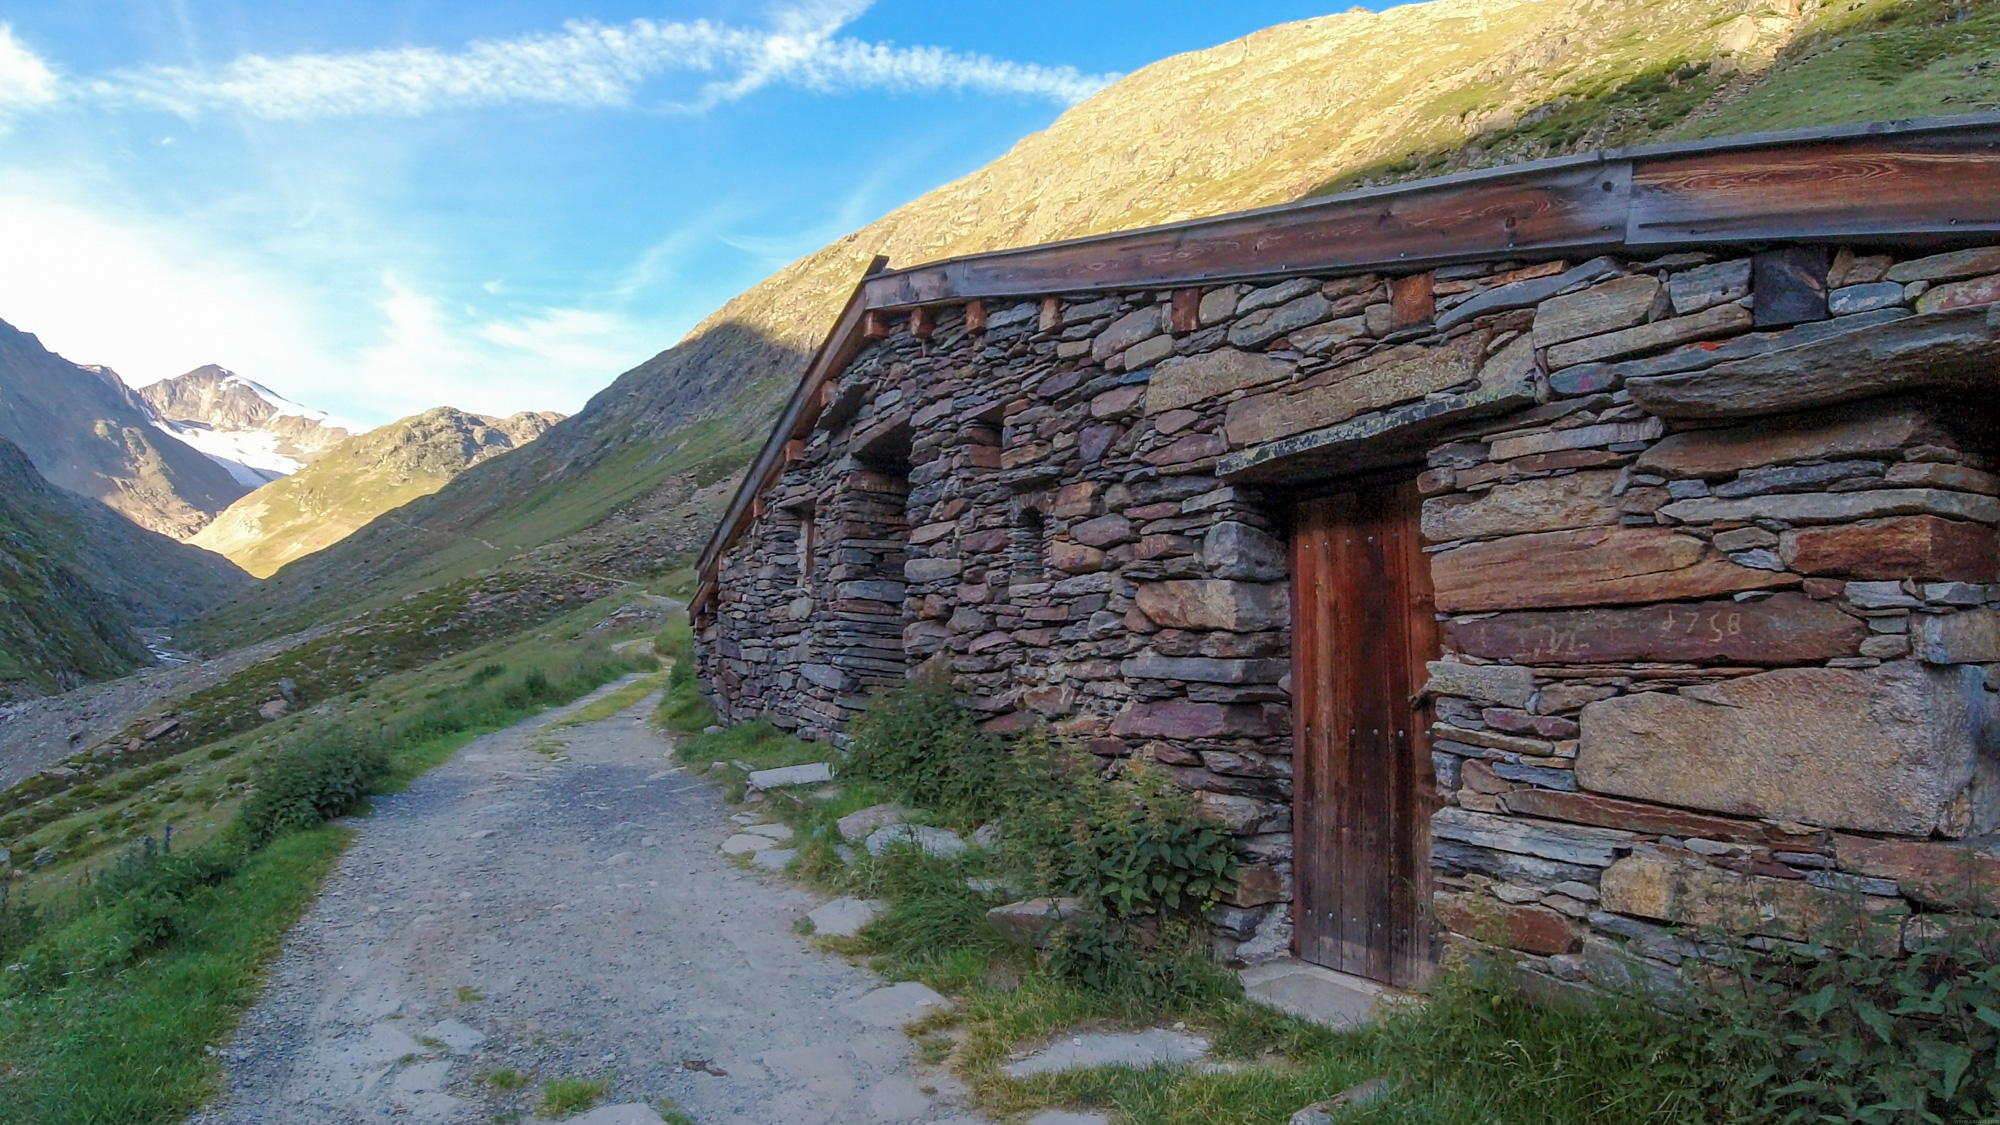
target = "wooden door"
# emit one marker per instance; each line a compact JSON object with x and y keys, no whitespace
{"x":1363,"y":625}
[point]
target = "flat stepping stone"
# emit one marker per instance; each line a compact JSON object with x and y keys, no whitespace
{"x":895,"y":1005}
{"x":855,"y":826}
{"x":1068,"y":1117}
{"x":743,"y":843}
{"x":1318,"y":994}
{"x":940,"y":842}
{"x":458,"y":1038}
{"x":844,"y":917}
{"x":1138,"y":1049}
{"x":774,"y":831}
{"x":634,"y":1113}
{"x":812,"y":773}
{"x":774,"y":859}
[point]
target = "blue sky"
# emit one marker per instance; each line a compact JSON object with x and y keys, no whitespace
{"x":376,"y":206}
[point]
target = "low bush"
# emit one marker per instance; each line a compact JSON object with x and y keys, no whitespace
{"x":1130,"y":846}
{"x":919,"y":745}
{"x":312,"y":782}
{"x":1849,"y":1027}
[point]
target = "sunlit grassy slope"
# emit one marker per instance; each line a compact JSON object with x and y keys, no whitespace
{"x":1287,"y":112}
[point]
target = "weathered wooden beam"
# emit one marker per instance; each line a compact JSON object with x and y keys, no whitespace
{"x":975,"y":316}
{"x":875,"y":325}
{"x":1926,"y":180}
{"x":1570,"y":204}
{"x":1184,"y":314}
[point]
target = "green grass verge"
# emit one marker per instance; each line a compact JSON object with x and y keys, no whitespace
{"x":128,"y":1048}
{"x":130,"y":979}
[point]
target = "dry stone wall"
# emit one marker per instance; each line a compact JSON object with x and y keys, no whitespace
{"x":1712,"y":537}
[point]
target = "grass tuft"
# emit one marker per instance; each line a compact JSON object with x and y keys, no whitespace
{"x":565,"y":1096}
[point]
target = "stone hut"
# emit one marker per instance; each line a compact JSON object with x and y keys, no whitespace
{"x":1556,"y":557}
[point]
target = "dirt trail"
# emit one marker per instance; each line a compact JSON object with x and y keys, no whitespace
{"x":584,"y":903}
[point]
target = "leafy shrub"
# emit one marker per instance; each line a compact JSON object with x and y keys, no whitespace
{"x":1145,"y":971}
{"x":313,"y":782}
{"x":1848,"y":1028}
{"x":1130,"y":846}
{"x":918,"y":744}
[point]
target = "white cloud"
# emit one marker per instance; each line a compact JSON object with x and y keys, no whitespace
{"x":590,"y":65}
{"x":152,"y":299}
{"x":551,"y":359}
{"x":143,"y":298}
{"x":25,"y":80}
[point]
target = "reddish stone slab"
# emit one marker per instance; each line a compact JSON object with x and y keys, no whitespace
{"x":1528,"y":928}
{"x":1193,"y":447}
{"x":1935,"y":874}
{"x":1926,"y":548}
{"x":1181,"y":719}
{"x":1784,"y":629}
{"x":1635,"y":816}
{"x":1590,"y":566}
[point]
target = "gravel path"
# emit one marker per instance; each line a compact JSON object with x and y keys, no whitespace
{"x":597,"y":932}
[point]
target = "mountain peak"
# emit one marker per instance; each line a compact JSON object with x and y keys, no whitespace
{"x":256,"y":433}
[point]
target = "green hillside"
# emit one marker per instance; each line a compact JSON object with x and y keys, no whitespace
{"x":359,"y":479}
{"x":77,"y":579}
{"x":625,"y":486}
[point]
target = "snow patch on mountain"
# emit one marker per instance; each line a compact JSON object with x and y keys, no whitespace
{"x":252,"y":431}
{"x":251,"y":456}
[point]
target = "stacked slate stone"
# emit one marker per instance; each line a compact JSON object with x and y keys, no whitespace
{"x":1713,"y":547}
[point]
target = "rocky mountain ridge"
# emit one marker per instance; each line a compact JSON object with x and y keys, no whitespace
{"x":86,"y":431}
{"x":244,"y":426}
{"x":350,"y":483}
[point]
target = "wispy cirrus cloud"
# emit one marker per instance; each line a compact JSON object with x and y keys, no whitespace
{"x":584,"y":65}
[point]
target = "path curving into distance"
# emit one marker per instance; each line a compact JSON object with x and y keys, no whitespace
{"x":582,"y":901}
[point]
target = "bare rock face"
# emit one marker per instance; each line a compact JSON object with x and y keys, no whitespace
{"x":1888,"y":749}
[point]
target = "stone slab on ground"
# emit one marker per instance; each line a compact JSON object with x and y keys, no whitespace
{"x":861,"y":823}
{"x":940,"y":842}
{"x":1318,"y":994}
{"x":812,"y":773}
{"x":628,"y":973}
{"x":1139,"y":1049}
{"x":895,"y":1005}
{"x":774,"y":831}
{"x":774,"y":859}
{"x":632,"y":1113}
{"x":844,"y":917}
{"x":744,"y":843}
{"x":1068,"y":1117}
{"x":458,"y":1038}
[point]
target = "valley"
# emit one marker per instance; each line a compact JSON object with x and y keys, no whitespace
{"x":382,"y":844}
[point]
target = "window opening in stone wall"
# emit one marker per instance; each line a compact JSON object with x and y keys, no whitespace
{"x":1025,"y":552}
{"x":808,"y":554}
{"x":887,"y":452}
